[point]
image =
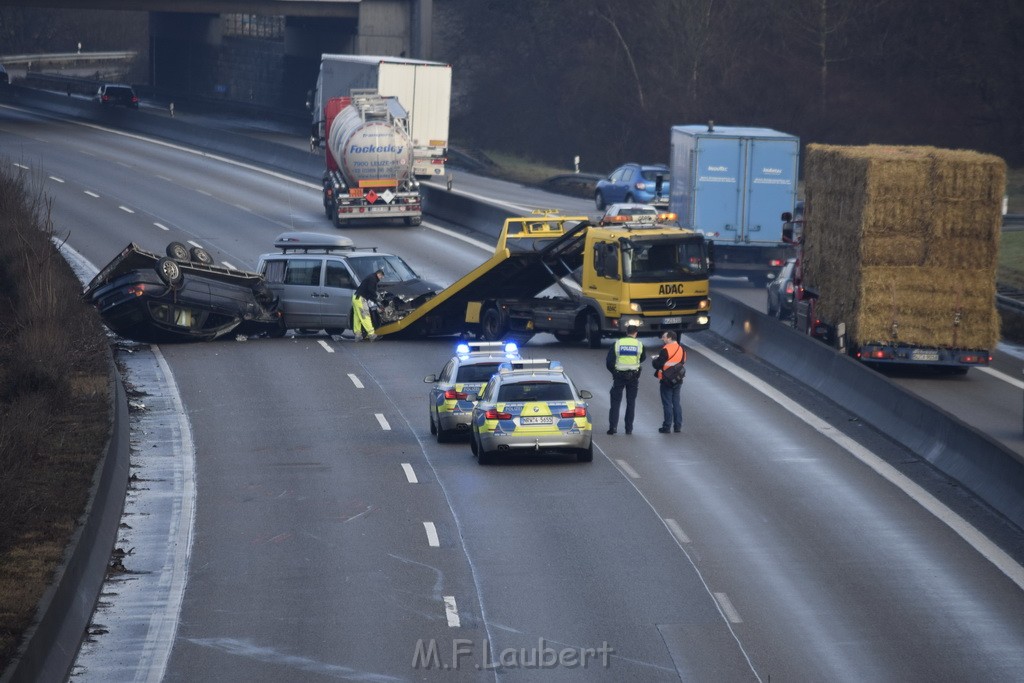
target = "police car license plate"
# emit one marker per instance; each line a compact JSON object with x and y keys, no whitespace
{"x":671,"y":321}
{"x":531,"y":420}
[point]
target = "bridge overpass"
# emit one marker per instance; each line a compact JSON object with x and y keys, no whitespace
{"x":263,"y":51}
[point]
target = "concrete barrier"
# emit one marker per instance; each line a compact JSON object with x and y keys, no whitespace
{"x":988,"y":469}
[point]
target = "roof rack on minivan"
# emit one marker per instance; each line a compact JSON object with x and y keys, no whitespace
{"x":315,"y":241}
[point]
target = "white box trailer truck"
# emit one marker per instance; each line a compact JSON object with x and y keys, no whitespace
{"x":424,"y":89}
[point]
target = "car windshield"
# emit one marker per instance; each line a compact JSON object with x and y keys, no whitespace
{"x":476,"y":373}
{"x":395,"y":269}
{"x":535,"y":391}
{"x":119,"y":91}
{"x":655,"y":261}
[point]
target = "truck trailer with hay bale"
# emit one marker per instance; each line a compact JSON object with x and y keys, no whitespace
{"x":897,"y":260}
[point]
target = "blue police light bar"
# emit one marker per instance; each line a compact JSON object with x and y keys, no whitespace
{"x":462,"y":348}
{"x":511,"y":349}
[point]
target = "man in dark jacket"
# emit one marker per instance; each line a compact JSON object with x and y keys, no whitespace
{"x":623,"y":361}
{"x":362,"y":323}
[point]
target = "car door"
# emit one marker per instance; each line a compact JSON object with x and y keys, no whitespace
{"x":296,"y":281}
{"x":336,"y":295}
{"x":617,"y":185}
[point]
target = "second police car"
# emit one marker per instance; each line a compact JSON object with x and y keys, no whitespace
{"x":531,"y":405}
{"x":464,"y":374}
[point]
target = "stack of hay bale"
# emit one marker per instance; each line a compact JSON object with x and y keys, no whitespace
{"x":902,"y":243}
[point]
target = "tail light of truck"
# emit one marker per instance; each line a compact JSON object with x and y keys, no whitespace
{"x":880,"y":354}
{"x":579,"y":411}
{"x":975,"y":358}
{"x":452,"y":395}
{"x":495,"y":415}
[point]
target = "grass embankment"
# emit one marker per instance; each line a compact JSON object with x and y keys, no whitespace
{"x":1011,"y":259}
{"x":54,"y":405}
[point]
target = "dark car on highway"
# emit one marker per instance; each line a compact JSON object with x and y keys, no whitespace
{"x":180,"y":297}
{"x":117,"y":94}
{"x":781,"y":292}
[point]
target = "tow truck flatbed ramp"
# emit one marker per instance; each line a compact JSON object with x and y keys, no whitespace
{"x":532,"y":253}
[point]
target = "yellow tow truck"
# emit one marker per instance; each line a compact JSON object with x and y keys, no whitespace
{"x":653,"y":275}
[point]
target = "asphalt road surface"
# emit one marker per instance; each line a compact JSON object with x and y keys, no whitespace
{"x":334,"y":539}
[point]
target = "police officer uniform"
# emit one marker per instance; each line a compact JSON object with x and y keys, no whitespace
{"x":623,"y":361}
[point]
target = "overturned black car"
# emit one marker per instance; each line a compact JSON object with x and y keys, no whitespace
{"x":182,"y":296}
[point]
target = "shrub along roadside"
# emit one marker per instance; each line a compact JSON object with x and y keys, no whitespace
{"x":54,"y":404}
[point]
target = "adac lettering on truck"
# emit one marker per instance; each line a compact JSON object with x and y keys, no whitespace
{"x":672,"y":288}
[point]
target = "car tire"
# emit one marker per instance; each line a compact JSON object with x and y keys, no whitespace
{"x":433,"y":427}
{"x":472,"y":443}
{"x":328,"y":210}
{"x":170,"y":272}
{"x":592,"y":330}
{"x":177,"y":251}
{"x":278,"y":332}
{"x":586,"y":454}
{"x":599,"y":201}
{"x":200,"y":255}
{"x":768,"y":306}
{"x":484,"y":457}
{"x":493,"y":324}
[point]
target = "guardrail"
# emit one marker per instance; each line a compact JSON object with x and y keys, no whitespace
{"x":65,"y":57}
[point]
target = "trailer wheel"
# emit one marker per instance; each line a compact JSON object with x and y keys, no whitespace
{"x":177,"y":251}
{"x":493,"y":324}
{"x":200,"y":255}
{"x":170,"y":272}
{"x":414,"y":221}
{"x":569,"y":337}
{"x":592,"y":330}
{"x":339,"y":222}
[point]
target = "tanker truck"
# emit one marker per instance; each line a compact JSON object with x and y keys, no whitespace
{"x":369,"y":161}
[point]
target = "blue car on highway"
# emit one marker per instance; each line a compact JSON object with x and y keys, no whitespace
{"x":634,"y":183}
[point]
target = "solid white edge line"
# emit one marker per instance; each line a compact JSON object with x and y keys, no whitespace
{"x":730,"y":612}
{"x":451,"y":611}
{"x":164,"y":626}
{"x":355,"y":381}
{"x":1001,"y":375}
{"x":630,"y":472}
{"x":326,"y":346}
{"x":977,"y":540}
{"x":410,"y":474}
{"x":432,"y":540}
{"x":383,"y":422}
{"x":677,"y":531}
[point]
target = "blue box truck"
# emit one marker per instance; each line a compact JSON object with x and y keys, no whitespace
{"x":732,"y":183}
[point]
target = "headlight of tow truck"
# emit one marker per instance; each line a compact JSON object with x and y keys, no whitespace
{"x":704,"y":305}
{"x":635,"y":307}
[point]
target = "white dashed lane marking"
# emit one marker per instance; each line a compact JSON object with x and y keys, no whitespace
{"x":677,"y":531}
{"x":630,"y":472}
{"x":355,"y":381}
{"x":56,"y":179}
{"x":327,"y":347}
{"x":125,"y":209}
{"x":410,"y":474}
{"x":451,"y":611}
{"x":727,"y":609}
{"x":92,"y":194}
{"x":383,"y":422}
{"x":432,"y":540}
{"x":162,"y":227}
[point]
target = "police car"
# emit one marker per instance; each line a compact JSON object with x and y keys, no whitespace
{"x":466,"y":372}
{"x":531,"y":405}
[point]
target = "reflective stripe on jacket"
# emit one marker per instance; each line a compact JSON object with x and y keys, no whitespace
{"x":628,"y":351}
{"x":674,"y":354}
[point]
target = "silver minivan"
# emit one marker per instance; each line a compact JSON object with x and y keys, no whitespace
{"x":314,"y":276}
